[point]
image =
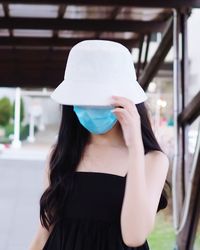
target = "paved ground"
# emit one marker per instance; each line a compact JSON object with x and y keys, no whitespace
{"x":33,"y":151}
{"x":20,"y":189}
{"x":21,"y":185}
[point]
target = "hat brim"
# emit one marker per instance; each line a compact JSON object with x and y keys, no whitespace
{"x":98,"y":94}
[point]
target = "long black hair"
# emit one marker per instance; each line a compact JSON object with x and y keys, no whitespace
{"x":66,"y":154}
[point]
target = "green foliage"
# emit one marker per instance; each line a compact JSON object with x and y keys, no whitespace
{"x":5,"y":140}
{"x":21,"y":110}
{"x":5,"y":111}
{"x":163,"y":236}
{"x":9,"y":129}
{"x":197,"y":238}
{"x":24,"y":131}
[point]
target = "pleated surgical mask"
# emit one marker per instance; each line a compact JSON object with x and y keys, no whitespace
{"x":97,"y":120}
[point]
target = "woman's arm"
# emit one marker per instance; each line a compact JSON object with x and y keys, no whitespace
{"x":145,"y":178}
{"x":145,"y":181}
{"x":40,"y":238}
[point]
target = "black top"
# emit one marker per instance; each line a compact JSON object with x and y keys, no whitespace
{"x":91,"y":218}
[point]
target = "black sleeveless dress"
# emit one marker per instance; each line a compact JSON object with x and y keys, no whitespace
{"x":91,"y":218}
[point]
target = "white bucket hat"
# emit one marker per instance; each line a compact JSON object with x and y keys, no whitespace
{"x":95,"y":70}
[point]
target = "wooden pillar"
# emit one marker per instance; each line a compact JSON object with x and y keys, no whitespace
{"x":177,"y":170}
{"x":186,"y":204}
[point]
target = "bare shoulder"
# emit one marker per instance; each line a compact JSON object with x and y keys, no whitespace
{"x":156,"y":153}
{"x":159,"y":156}
{"x":157,"y":166}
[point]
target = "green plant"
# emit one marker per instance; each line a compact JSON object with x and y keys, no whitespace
{"x":24,"y":131}
{"x":163,"y":236}
{"x":5,"y":140}
{"x":5,"y":111}
{"x":9,"y":129}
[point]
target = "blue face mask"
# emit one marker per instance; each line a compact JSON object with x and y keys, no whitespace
{"x":97,"y":120}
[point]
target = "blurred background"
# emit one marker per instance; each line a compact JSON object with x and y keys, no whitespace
{"x":35,"y":39}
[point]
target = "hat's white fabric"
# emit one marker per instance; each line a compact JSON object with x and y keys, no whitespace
{"x":95,"y":70}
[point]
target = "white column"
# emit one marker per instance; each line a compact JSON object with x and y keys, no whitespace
{"x":31,"y":137}
{"x":16,"y":143}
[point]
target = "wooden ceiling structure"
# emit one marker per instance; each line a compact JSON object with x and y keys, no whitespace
{"x":35,"y":39}
{"x":36,"y":36}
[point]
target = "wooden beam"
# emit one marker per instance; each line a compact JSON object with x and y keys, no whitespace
{"x":140,"y":55}
{"x":34,"y":75}
{"x":35,"y":67}
{"x":131,"y":3}
{"x":31,"y":66}
{"x":32,"y":54}
{"x":7,"y":15}
{"x":83,"y":24}
{"x":147,"y":49}
{"x":152,"y":67}
{"x":189,"y":231}
{"x":29,"y":81}
{"x":57,"y":42}
{"x":61,"y":13}
{"x":115,"y":11}
{"x":55,"y":60}
{"x":191,"y":111}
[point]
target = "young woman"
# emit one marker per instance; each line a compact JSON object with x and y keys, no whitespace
{"x":106,"y":175}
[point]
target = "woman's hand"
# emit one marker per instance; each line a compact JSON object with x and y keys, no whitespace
{"x":129,"y":119}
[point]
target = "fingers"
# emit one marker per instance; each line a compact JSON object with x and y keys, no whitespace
{"x":122,"y":114}
{"x":124,"y":102}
